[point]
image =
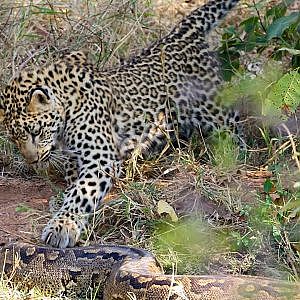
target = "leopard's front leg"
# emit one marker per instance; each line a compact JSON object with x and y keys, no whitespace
{"x":80,"y":201}
{"x":71,"y":175}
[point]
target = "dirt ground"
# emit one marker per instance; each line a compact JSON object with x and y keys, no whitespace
{"x":23,"y":208}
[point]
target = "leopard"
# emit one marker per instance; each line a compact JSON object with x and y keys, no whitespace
{"x":98,"y":118}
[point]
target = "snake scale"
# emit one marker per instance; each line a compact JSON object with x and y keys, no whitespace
{"x":122,"y":272}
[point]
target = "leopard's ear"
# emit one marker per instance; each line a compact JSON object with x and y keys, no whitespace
{"x":40,"y":100}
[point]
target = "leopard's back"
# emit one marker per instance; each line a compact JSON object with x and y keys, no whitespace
{"x":170,"y":89}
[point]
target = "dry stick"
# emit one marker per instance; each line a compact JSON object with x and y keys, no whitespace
{"x":17,"y":235}
{"x":295,"y":152}
{"x":283,"y":147}
{"x":259,"y":16}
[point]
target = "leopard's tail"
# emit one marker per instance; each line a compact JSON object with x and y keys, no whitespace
{"x":198,"y":23}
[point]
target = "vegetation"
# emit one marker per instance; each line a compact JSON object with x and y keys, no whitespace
{"x":203,"y":207}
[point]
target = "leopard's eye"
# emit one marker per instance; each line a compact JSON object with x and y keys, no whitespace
{"x":34,"y":131}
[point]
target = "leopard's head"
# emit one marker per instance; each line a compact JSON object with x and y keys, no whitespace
{"x":32,"y":106}
{"x":33,"y":118}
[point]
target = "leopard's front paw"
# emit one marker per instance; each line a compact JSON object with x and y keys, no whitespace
{"x":62,"y":231}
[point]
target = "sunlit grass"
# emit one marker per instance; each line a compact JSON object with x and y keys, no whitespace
{"x":190,"y":244}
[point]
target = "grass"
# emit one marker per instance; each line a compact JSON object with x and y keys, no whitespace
{"x":245,"y":214}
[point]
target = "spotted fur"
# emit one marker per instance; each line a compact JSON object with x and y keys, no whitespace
{"x":98,"y":118}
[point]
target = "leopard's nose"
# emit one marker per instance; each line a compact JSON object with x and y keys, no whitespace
{"x":31,"y":158}
{"x":29,"y":153}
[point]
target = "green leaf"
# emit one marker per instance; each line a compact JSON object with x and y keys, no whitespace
{"x":268,"y":186}
{"x":285,"y":93}
{"x":45,"y":10}
{"x":250,"y":42}
{"x":277,"y":11}
{"x":250,"y":24}
{"x":277,"y":28}
{"x":230,"y":30}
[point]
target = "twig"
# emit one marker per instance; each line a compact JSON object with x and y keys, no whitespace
{"x":259,"y":16}
{"x":295,"y":152}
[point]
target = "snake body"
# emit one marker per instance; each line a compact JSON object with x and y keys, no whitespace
{"x":122,"y":272}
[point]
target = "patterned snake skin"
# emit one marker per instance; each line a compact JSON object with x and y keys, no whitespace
{"x":121,"y":272}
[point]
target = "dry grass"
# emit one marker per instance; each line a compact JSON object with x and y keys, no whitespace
{"x":38,"y":32}
{"x":236,"y":227}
